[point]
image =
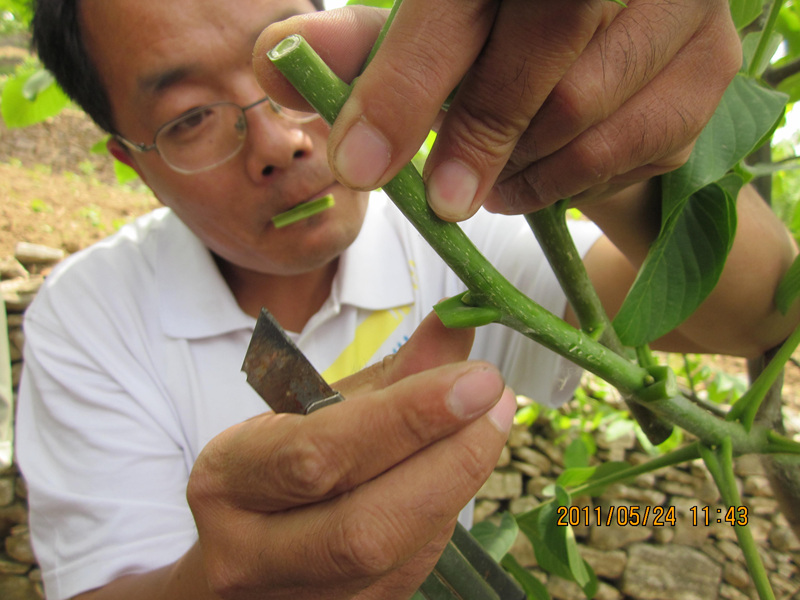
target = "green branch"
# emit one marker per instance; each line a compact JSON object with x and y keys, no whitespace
{"x":550,"y":228}
{"x":764,"y":38}
{"x":719,"y":461}
{"x":327,"y":94}
{"x":488,"y":288}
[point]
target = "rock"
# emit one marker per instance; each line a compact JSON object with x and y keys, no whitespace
{"x":561,"y":589}
{"x":18,"y":545}
{"x":19,"y":293}
{"x":7,"y":490}
{"x":501,"y":485}
{"x":504,"y":459}
{"x":757,"y":485}
{"x":534,"y":458}
{"x":16,"y":343}
{"x":12,"y":567}
{"x":526,"y":469}
{"x":748,"y":464}
{"x":37,"y":254}
{"x":485,"y":509}
{"x":608,"y":564}
{"x":14,"y":587}
{"x":736,"y":575}
{"x":674,"y":572}
{"x":537,"y":485}
{"x":783,"y":539}
{"x":11,"y":268}
{"x":519,"y":437}
{"x":523,"y":504}
{"x":613,"y":531}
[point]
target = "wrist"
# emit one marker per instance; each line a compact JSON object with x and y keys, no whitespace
{"x":630,"y":217}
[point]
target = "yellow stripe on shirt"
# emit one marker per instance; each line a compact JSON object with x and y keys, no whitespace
{"x":370,"y":336}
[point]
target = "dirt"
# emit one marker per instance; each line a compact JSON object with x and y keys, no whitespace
{"x":53,"y":191}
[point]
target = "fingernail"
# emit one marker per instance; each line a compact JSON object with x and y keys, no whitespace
{"x":502,"y":413}
{"x":362,"y":157}
{"x":474,"y":392}
{"x":451,"y":190}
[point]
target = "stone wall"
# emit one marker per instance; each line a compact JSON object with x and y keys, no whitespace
{"x":687,"y":560}
{"x":22,"y":275}
{"x":642,"y":562}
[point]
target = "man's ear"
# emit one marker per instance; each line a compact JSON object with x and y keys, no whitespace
{"x":123,"y":155}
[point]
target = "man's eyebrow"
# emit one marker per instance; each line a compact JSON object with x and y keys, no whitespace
{"x":157,"y":82}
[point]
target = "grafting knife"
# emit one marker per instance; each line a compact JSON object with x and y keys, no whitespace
{"x":281,"y":374}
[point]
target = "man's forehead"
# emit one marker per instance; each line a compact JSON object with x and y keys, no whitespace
{"x":158,"y":43}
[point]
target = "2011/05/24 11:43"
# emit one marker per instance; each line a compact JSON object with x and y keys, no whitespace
{"x":657,"y":516}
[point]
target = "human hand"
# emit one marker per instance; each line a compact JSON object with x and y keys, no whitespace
{"x":357,"y":498}
{"x":558,"y":99}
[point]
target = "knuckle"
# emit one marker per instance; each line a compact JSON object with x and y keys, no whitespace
{"x":308,"y":469}
{"x":366,"y":544}
{"x":596,"y":157}
{"x":485,"y":137}
{"x":475,"y":463}
{"x":576,"y":106}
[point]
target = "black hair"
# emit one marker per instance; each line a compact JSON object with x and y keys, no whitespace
{"x":58,"y":40}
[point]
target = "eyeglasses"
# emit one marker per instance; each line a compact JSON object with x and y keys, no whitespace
{"x":208,"y":136}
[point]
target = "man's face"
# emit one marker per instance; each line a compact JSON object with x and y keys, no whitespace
{"x":160,"y":59}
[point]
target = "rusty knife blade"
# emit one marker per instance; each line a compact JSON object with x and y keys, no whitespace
{"x":281,"y":373}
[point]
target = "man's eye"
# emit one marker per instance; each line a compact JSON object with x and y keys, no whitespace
{"x":191,"y":123}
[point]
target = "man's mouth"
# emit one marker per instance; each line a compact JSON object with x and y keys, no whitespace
{"x":302,"y":211}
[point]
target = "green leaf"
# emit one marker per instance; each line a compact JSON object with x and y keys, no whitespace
{"x":575,"y":476}
{"x":576,"y":455}
{"x":682,"y":268}
{"x":124,"y":173}
{"x":496,"y":539}
{"x":555,"y":546}
{"x":534,"y":589}
{"x":789,"y":288}
{"x":40,"y":103}
{"x":457,"y":312}
{"x":745,"y":12}
{"x":747,"y":113}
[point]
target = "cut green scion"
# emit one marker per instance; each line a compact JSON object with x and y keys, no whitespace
{"x":303,"y":211}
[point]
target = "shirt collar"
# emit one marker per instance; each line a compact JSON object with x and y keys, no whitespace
{"x":375,"y":271}
{"x":195,"y":301}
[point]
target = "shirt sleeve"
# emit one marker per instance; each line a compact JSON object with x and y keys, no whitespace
{"x":529,"y":368}
{"x":101,"y":453}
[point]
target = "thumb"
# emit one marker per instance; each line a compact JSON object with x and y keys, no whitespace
{"x":431,"y":345}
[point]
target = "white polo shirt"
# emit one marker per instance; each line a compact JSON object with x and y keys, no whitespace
{"x":132,"y":364}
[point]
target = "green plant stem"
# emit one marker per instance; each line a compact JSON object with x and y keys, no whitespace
{"x":596,"y":486}
{"x":719,"y":461}
{"x":549,"y":225}
{"x":764,"y":37}
{"x":327,"y":94}
{"x":747,"y":406}
{"x":382,"y":34}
